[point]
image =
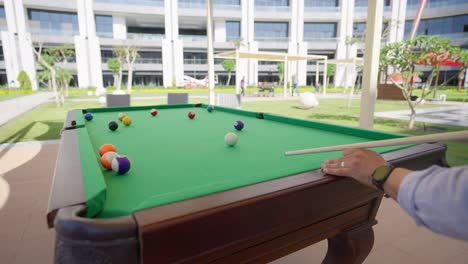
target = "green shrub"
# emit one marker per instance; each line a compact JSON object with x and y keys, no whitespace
{"x":25,"y":82}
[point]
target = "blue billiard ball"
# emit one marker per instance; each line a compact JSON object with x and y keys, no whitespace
{"x":88,"y":116}
{"x":239,"y":125}
{"x":210,"y":108}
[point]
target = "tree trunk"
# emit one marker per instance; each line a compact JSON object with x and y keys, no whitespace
{"x":49,"y":84}
{"x":65,"y":83}
{"x":229,"y":79}
{"x":436,"y":84}
{"x":116,"y":80}
{"x":412,"y":119}
{"x":54,"y":87}
{"x":130,"y":78}
{"x":119,"y":81}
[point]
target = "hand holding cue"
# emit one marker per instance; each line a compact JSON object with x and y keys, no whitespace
{"x":388,"y":142}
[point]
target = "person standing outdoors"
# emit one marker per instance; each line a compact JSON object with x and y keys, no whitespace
{"x":242,"y":84}
{"x":461,"y":76}
{"x":295,"y":87}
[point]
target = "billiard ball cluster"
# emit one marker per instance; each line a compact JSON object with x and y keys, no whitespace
{"x":113,"y":161}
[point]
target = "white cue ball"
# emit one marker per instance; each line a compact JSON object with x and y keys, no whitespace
{"x":231,"y":139}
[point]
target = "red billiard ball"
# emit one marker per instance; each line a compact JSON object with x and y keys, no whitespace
{"x":154,"y":112}
{"x":191,"y":115}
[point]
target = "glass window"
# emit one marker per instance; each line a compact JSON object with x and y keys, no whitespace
{"x":434,"y":3}
{"x":271,"y":30}
{"x":363,"y":3}
{"x":104,"y":26}
{"x":271,"y":2}
{"x":53,"y":21}
{"x":439,"y":26}
{"x":319,"y":30}
{"x":232,"y":30}
{"x":359,"y":29}
{"x":2,"y":12}
{"x":320,"y":3}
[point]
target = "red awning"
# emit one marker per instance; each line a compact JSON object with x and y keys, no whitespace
{"x":430,"y":59}
{"x":396,"y":77}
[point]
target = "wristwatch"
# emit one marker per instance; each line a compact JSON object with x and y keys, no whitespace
{"x":380,"y":175}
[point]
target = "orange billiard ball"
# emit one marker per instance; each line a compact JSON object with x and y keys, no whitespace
{"x":106,"y":148}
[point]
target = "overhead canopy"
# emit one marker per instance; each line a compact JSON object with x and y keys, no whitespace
{"x":267,"y":56}
{"x":357,"y":61}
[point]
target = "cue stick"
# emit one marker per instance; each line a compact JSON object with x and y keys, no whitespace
{"x":388,"y":142}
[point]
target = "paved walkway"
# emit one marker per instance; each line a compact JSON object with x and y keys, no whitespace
{"x":17,"y":106}
{"x":450,"y":115}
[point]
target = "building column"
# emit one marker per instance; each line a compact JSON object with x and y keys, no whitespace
{"x":297,"y":44}
{"x":248,"y":24}
{"x":119,"y":27}
{"x":397,"y":22}
{"x":88,"y":49}
{"x":344,"y":50}
{"x":242,"y":65}
{"x":172,"y":46}
{"x":220,"y":31}
{"x":17,"y":42}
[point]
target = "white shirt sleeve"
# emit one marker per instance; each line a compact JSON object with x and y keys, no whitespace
{"x":437,"y":198}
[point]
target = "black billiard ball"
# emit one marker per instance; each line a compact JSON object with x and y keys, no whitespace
{"x":113,"y":125}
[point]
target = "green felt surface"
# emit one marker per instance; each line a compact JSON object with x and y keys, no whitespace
{"x":175,"y":158}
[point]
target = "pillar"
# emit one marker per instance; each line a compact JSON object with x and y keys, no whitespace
{"x":88,"y":48}
{"x":119,"y":27}
{"x":172,"y":46}
{"x":17,"y":42}
{"x":371,"y":64}
{"x":345,"y":32}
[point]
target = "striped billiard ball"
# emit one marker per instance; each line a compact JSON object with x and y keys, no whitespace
{"x":121,"y":165}
{"x":239,"y":125}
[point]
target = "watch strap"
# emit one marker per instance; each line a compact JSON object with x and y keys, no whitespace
{"x":380,"y":183}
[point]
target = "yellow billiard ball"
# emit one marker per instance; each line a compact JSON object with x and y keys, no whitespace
{"x":127,"y":120}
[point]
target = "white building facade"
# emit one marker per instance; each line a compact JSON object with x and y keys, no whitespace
{"x":172,"y":38}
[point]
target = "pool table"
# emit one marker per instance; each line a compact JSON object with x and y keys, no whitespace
{"x":190,"y":198}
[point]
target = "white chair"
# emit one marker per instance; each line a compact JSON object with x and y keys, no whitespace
{"x":229,"y":100}
{"x":177,"y":98}
{"x":117,"y":100}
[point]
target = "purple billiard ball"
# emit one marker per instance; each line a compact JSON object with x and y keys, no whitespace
{"x":239,"y":125}
{"x":121,"y":165}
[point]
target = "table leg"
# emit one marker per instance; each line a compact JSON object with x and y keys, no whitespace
{"x":351,"y":247}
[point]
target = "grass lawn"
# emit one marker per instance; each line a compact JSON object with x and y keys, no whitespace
{"x":45,"y":121}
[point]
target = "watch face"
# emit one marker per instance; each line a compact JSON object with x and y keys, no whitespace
{"x":381,"y":172}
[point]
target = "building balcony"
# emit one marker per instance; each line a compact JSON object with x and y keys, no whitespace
{"x":322,"y":43}
{"x":105,"y":34}
{"x":148,"y":61}
{"x":197,"y":38}
{"x":195,"y":61}
{"x":53,"y":32}
{"x":145,"y":36}
{"x":321,"y":39}
{"x":202,"y":5}
{"x":134,"y":2}
{"x":331,"y":9}
{"x":439,"y":4}
{"x":272,"y":39}
{"x":275,"y":9}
